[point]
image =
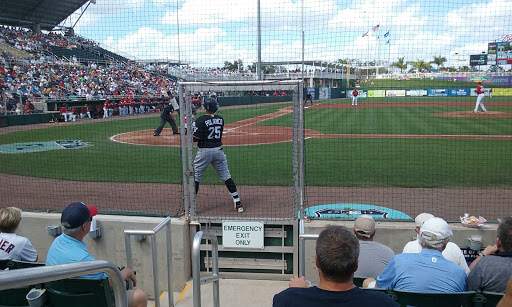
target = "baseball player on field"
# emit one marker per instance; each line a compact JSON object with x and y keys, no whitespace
{"x":208,"y":131}
{"x":480,"y":98}
{"x":355,"y":93}
{"x":167,"y":117}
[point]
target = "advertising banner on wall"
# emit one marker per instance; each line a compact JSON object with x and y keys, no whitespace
{"x":504,"y":53}
{"x":502,"y":80}
{"x":486,"y":91}
{"x":491,"y":48}
{"x":416,"y":93}
{"x":502,"y":92}
{"x":376,"y":93}
{"x":362,"y":94}
{"x":459,"y":92}
{"x":437,"y":92}
{"x":395,"y":93}
{"x":324,"y":93}
{"x":478,"y":59}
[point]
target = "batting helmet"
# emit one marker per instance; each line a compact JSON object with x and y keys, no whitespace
{"x":210,"y":104}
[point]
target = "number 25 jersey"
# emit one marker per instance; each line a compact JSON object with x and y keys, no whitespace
{"x":208,"y":131}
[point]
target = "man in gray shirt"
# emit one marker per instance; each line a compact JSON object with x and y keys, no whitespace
{"x":373,"y":256}
{"x":492,"y":269}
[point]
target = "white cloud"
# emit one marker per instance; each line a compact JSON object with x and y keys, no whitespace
{"x":210,"y":12}
{"x":212,"y":32}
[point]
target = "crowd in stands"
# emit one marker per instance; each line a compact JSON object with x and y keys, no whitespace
{"x":426,"y":265}
{"x":43,"y":77}
{"x":341,"y":255}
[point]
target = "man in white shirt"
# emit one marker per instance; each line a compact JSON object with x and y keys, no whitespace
{"x":452,"y":252}
{"x":13,"y":246}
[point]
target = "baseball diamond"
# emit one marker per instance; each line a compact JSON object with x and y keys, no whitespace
{"x":125,"y":196}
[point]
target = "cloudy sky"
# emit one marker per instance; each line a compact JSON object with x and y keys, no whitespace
{"x":209,"y":32}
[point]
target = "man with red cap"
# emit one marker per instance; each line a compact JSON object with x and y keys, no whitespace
{"x":480,"y":99}
{"x":69,"y":247}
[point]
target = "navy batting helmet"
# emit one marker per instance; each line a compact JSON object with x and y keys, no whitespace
{"x":210,"y":104}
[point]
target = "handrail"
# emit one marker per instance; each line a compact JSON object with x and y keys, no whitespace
{"x":26,"y":277}
{"x":152,"y":233}
{"x":196,"y":268}
{"x":302,"y":247}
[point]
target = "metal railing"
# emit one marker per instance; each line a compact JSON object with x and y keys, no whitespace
{"x":196,"y":268}
{"x":26,"y":277}
{"x":302,"y":247}
{"x":152,"y":233}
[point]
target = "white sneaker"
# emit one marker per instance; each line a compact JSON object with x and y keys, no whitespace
{"x":238,"y":207}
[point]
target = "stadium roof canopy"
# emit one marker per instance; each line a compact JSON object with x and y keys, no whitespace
{"x":46,"y":13}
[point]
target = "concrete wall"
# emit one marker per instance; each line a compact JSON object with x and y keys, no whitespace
{"x":393,"y":234}
{"x":111,"y":245}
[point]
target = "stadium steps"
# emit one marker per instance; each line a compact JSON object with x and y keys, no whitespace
{"x":232,"y":293}
{"x":15,"y":52}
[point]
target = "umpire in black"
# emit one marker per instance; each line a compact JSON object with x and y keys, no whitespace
{"x":167,"y":116}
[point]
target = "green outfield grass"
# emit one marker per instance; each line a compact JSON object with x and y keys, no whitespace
{"x":447,"y":100}
{"x":329,"y":161}
{"x":399,"y":121}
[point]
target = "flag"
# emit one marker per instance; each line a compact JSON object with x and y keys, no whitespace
{"x":506,"y":38}
{"x":366,"y":34}
{"x":376,"y":28}
{"x":387,"y":42}
{"x":387,"y":34}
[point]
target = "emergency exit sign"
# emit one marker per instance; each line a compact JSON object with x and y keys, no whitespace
{"x":242,"y":234}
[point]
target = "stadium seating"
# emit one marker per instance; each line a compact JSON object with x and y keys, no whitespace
{"x":75,"y":292}
{"x":491,"y":298}
{"x":79,"y":292}
{"x":17,"y":296}
{"x":358,"y":281}
{"x":420,"y":299}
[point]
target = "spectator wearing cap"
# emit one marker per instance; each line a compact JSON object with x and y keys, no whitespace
{"x":427,"y":271}
{"x":373,"y":256}
{"x":337,"y":250}
{"x":69,"y":247}
{"x":452,"y":251}
{"x":491,"y":270}
{"x":13,"y":246}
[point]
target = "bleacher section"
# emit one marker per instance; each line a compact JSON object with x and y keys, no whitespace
{"x":82,"y":55}
{"x":105,"y":53}
{"x":15,"y":52}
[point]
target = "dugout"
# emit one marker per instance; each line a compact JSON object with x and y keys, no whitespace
{"x":27,"y":119}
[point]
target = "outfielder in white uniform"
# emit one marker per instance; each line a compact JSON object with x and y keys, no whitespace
{"x":480,"y":98}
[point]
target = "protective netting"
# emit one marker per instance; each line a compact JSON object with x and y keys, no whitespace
{"x":414,"y":142}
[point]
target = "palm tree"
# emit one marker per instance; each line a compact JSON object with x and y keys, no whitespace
{"x":401,"y":64}
{"x":421,"y":65}
{"x":439,"y":61}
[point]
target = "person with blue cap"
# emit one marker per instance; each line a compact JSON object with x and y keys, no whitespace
{"x":69,"y":247}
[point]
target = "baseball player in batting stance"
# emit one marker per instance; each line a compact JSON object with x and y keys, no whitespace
{"x":480,"y":98}
{"x":208,"y":131}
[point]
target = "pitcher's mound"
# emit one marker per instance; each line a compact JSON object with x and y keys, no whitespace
{"x":470,"y":114}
